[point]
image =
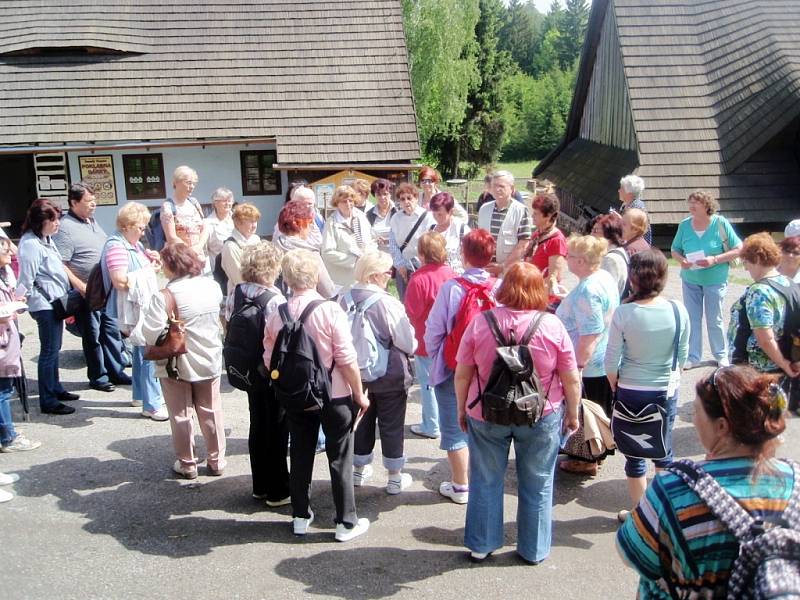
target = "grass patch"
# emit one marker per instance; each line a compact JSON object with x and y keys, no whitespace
{"x":521,"y":170}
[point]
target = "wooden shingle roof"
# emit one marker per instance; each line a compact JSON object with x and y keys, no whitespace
{"x":329,"y":80}
{"x":714,"y":94}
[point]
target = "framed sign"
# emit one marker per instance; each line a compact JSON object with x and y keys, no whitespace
{"x":98,"y":172}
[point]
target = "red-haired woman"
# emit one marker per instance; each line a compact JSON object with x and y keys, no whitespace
{"x":190,"y":382}
{"x":477,"y":249}
{"x":429,"y":180}
{"x":674,"y":541}
{"x":523,"y":297}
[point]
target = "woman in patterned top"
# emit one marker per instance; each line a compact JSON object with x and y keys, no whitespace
{"x":674,"y":542}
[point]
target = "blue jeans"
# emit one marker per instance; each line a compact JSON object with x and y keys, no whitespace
{"x":427,"y":397}
{"x":7,"y":431}
{"x":102,"y":346}
{"x":51,"y":331}
{"x":708,"y":299}
{"x":145,"y":385}
{"x":536,"y":450}
{"x":636,"y":400}
{"x":452,"y":437}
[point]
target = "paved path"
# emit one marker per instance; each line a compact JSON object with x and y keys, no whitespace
{"x":100,"y":515}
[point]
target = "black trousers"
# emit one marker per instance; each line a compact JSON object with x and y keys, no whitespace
{"x":597,"y":389}
{"x":336,"y":418}
{"x":267,"y":442}
{"x":388,"y":408}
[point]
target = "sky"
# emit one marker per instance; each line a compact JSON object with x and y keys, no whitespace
{"x":544,"y":5}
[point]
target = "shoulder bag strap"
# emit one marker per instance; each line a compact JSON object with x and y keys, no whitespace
{"x":676,"y":339}
{"x":716,"y":497}
{"x":413,"y":230}
{"x":723,"y":234}
{"x":171,"y":304}
{"x":196,"y":203}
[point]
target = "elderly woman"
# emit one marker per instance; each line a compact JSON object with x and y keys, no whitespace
{"x":523,"y":297}
{"x":764,"y":307}
{"x":790,"y":258}
{"x":477,"y":248}
{"x":634,"y":226}
{"x":388,"y":393}
{"x":631,"y":191}
{"x":245,"y":222}
{"x":616,"y":259}
{"x":429,"y":180}
{"x":347,"y":236}
{"x":452,"y":228}
{"x":328,"y":328}
{"x":405,"y":229}
{"x":381,"y":214}
{"x":219,"y":223}
{"x":42,"y":275}
{"x":423,"y":288}
{"x":704,"y":245}
{"x":362,"y":189}
{"x":548,"y":246}
{"x":11,"y":440}
{"x":674,"y":542}
{"x":640,"y":352}
{"x":295,"y":223}
{"x":129,"y":272}
{"x":181,"y":216}
{"x":190,"y":382}
{"x":268,"y":439}
{"x":586,"y":313}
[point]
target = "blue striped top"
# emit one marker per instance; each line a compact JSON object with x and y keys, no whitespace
{"x":672,"y":533}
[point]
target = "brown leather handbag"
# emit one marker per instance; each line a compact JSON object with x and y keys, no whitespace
{"x":172,"y":341}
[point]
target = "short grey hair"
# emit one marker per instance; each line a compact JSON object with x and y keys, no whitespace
{"x":632,"y":184}
{"x":261,"y":263}
{"x":300,"y":269}
{"x":183,"y":172}
{"x":221,"y":193}
{"x":507,"y":175}
{"x":303,"y":193}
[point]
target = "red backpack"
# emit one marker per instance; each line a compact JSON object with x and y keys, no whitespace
{"x":477,"y":299}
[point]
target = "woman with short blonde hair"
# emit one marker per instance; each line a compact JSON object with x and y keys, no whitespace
{"x":586,"y":313}
{"x":245,"y":223}
{"x":634,"y":227}
{"x":347,"y":236}
{"x":388,"y":391}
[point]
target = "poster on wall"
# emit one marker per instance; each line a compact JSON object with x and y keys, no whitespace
{"x":98,"y":172}
{"x":324,"y":194}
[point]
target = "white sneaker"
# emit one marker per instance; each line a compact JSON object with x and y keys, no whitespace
{"x":447,"y":490}
{"x":343,"y":534}
{"x":8,"y":478}
{"x":688,"y":365}
{"x":362,"y":475}
{"x":157,"y":415}
{"x":723,"y":362}
{"x":277,"y":503}
{"x":5,"y":496}
{"x":136,"y":403}
{"x":20,"y":444}
{"x":185,"y":472}
{"x":398,"y":483}
{"x":301,"y":525}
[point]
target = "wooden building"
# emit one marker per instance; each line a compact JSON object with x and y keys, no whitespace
{"x":689,"y":94}
{"x":250,"y":93}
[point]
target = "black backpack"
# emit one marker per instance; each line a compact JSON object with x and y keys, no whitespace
{"x":219,"y":274}
{"x":244,"y":341}
{"x":513,"y":394}
{"x":789,"y":342}
{"x":300,"y":380}
{"x":768,"y":565}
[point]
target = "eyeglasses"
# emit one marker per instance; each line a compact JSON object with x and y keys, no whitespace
{"x":427,"y":181}
{"x":389,"y":272}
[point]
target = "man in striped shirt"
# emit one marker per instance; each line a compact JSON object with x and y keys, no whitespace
{"x":507,"y":221}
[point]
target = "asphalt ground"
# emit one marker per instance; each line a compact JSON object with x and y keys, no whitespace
{"x":99,"y":514}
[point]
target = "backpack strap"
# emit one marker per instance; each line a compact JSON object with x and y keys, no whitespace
{"x":308,"y":310}
{"x":370,"y":301}
{"x":494,"y":326}
{"x":531,"y":330}
{"x":716,"y":497}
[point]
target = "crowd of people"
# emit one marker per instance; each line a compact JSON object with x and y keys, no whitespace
{"x":339,"y":351}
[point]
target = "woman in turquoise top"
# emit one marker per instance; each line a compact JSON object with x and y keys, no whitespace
{"x":586,"y":313}
{"x":704,"y":246}
{"x":639,"y":355}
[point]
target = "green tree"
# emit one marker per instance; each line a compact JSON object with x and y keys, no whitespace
{"x":519,"y":33}
{"x":572,"y":30}
{"x":440,"y":41}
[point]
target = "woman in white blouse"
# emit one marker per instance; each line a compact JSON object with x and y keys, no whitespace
{"x":219,"y":223}
{"x":452,"y":228}
{"x":347,"y":235}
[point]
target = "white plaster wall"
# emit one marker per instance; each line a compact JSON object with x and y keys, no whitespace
{"x":216,"y":166}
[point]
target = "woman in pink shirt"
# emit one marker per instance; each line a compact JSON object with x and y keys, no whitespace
{"x":523,"y":297}
{"x":327,"y":326}
{"x":420,"y":295}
